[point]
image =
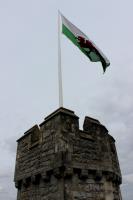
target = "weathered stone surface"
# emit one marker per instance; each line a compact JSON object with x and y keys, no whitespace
{"x":57,"y":160}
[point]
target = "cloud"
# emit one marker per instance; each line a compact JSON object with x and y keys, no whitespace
{"x":127,"y":192}
{"x":128,"y":178}
{"x":1,"y":189}
{"x":11,"y":144}
{"x":7,"y":188}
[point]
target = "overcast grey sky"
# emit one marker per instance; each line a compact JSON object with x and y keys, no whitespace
{"x":28,"y":74}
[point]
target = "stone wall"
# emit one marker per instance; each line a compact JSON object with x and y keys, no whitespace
{"x":57,"y":160}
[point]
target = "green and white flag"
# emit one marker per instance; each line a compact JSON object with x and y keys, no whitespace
{"x":83,"y":43}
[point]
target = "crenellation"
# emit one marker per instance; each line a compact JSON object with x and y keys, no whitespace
{"x":57,"y":160}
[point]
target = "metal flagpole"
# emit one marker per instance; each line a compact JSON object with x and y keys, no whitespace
{"x":59,"y":62}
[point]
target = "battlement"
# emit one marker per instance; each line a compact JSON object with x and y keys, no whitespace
{"x":57,"y":149}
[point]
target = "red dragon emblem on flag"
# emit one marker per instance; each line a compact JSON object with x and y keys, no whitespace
{"x":85,"y":43}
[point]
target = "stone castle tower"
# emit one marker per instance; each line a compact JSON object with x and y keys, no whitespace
{"x":58,"y":161}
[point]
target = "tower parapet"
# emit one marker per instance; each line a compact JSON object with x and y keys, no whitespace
{"x":57,"y":160}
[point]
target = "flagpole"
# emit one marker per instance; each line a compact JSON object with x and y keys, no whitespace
{"x":59,"y":63}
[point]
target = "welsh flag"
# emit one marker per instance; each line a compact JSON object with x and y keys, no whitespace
{"x":83,"y":43}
